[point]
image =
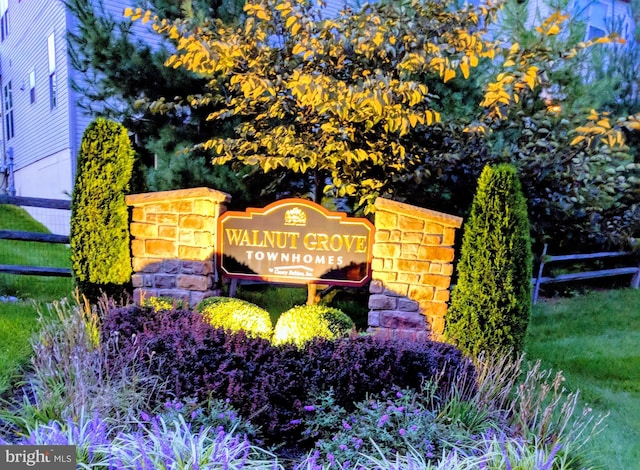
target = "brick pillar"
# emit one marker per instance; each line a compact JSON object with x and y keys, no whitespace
{"x":411,"y":270}
{"x":173,"y":243}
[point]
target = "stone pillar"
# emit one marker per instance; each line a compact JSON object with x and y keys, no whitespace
{"x":411,"y":270}
{"x":173,"y":243}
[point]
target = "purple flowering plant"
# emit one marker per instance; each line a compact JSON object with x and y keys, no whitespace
{"x":214,"y":413}
{"x":393,"y":423}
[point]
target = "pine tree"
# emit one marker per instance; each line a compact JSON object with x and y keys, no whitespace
{"x":99,"y":237}
{"x":121,"y":69}
{"x":491,"y":303}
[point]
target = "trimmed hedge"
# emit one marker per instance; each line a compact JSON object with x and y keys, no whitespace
{"x":303,"y":323}
{"x":272,"y":384}
{"x":235,"y":315}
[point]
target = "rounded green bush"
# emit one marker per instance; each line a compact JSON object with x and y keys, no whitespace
{"x":303,"y":323}
{"x":235,"y":315}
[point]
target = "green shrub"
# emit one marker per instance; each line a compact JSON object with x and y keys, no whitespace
{"x":163,"y":303}
{"x":491,"y":303}
{"x":235,"y":314}
{"x":305,"y":322}
{"x":99,"y":236}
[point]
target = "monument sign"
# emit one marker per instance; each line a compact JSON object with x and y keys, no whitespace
{"x":295,"y":241}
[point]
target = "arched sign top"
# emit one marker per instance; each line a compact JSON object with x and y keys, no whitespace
{"x":295,"y":241}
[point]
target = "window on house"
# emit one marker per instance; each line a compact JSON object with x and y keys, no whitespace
{"x":596,"y":15}
{"x":53,"y":84}
{"x":8,"y":110}
{"x":597,"y":23}
{"x":32,"y":86}
{"x":4,"y":19}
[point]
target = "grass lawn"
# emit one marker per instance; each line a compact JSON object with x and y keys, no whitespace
{"x":18,"y":319}
{"x":595,"y":340}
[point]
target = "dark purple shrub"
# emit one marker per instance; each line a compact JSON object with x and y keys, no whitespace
{"x":267,"y":384}
{"x":262,"y":382}
{"x":435,"y":360}
{"x":353,"y":367}
{"x":175,"y":344}
{"x":125,"y":321}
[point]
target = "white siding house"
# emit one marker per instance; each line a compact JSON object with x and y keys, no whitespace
{"x":38,"y":123}
{"x":41,"y":124}
{"x":601,"y":17}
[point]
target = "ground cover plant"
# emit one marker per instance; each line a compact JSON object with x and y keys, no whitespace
{"x":125,"y":410}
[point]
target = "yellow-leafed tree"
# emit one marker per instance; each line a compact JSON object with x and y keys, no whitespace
{"x":369,"y":102}
{"x":337,"y":98}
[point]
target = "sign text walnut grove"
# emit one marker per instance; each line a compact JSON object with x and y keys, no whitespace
{"x":295,"y":241}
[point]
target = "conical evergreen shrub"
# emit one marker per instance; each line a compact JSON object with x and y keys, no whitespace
{"x":99,"y":237}
{"x":491,"y":302}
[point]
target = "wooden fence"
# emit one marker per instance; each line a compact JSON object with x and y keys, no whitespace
{"x":34,"y":237}
{"x":545,"y":259}
{"x":593,"y":274}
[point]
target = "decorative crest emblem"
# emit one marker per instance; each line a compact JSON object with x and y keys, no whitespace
{"x":295,"y":217}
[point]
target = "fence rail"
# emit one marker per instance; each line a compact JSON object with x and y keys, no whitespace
{"x":35,"y":202}
{"x":583,"y":275}
{"x":34,"y":236}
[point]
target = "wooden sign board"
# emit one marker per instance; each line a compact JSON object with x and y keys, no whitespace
{"x":295,"y":241}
